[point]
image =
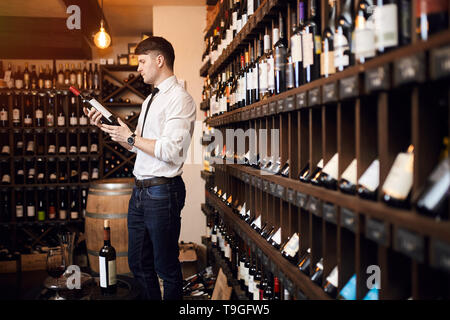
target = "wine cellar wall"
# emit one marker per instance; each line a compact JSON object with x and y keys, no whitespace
{"x":352,"y":175}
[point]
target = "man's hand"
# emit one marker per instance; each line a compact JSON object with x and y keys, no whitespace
{"x":118,"y":133}
{"x":94,"y":116}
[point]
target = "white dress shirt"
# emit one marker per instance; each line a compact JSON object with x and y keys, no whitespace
{"x":170,"y":121}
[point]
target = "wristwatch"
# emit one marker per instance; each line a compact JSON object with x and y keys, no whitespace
{"x":130,"y":139}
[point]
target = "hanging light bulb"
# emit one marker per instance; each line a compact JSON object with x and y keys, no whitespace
{"x":102,"y":39}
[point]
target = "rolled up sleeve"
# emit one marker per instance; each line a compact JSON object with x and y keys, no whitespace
{"x":173,"y":144}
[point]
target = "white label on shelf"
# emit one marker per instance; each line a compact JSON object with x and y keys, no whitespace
{"x":83,"y":120}
{"x":364,"y":43}
{"x":39,"y":114}
{"x":296,"y":48}
{"x":19,"y":211}
{"x":16,"y":114}
{"x":73,"y":149}
{"x":370,"y":179}
{"x":61,"y":120}
{"x":73,"y":121}
{"x":340,"y":45}
{"x":5,"y":149}
{"x":292,"y":245}
{"x":386,"y":26}
{"x":331,"y":168}
{"x":50,"y":120}
{"x":327,"y":63}
{"x":257,"y":222}
{"x":83,"y":149}
{"x":102,"y":264}
{"x":400,"y":178}
{"x":308,"y":47}
{"x":3,"y":115}
{"x":441,"y":183}
{"x":6,"y":178}
{"x":28,"y":120}
{"x":263,"y":72}
{"x":271,"y":73}
{"x":333,"y":277}
{"x":62,"y":214}
{"x":30,"y":211}
{"x":350,"y":173}
{"x":250,"y":7}
{"x":74,"y":215}
{"x":277,"y":236}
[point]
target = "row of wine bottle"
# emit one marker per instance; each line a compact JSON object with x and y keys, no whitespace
{"x":272,"y":66}
{"x":396,"y":189}
{"x":49,"y":170}
{"x":47,"y":78}
{"x":244,"y":266}
{"x":41,"y":110}
{"x":50,"y":142}
{"x":42,"y":204}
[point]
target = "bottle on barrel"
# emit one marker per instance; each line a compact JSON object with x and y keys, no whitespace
{"x":107,"y":260}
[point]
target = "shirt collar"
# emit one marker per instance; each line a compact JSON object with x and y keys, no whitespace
{"x":167,"y":84}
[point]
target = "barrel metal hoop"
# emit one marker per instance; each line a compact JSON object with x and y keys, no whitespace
{"x":106,"y":216}
{"x":118,"y":254}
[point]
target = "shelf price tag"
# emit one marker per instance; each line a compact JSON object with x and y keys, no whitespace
{"x":377,"y":79}
{"x":410,"y":243}
{"x":253,"y":181}
{"x":258,"y":111}
{"x":290,"y":103}
{"x":290,"y":194}
{"x":265,"y":109}
{"x":265,"y":185}
{"x":273,"y":188}
{"x":348,"y":219}
{"x":329,"y":212}
{"x":272,"y":108}
{"x":440,"y":62}
{"x":440,"y":255}
{"x":280,"y":105}
{"x":348,"y":87}
{"x":247,"y":178}
{"x":409,"y":69}
{"x":314,"y":206}
{"x":329,"y":92}
{"x":313,"y":97}
{"x":377,"y":231}
{"x":302,"y":200}
{"x":259,"y":183}
{"x":280,"y":192}
{"x":301,"y":100}
{"x":252,"y":113}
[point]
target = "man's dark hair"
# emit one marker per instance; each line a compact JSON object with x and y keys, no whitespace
{"x":159,"y":45}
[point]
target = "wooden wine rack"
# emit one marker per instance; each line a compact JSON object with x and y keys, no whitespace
{"x":368,"y":111}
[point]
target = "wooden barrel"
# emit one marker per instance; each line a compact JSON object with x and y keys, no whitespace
{"x":108,"y":200}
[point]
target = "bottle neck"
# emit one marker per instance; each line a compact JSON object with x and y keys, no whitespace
{"x":107,"y":236}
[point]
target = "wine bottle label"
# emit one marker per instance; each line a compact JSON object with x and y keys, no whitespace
{"x":51,"y":148}
{"x":370,"y":179}
{"x":277,"y":237}
{"x":74,"y":215}
{"x":400,"y":178}
{"x":105,"y":281}
{"x":249,"y":78}
{"x":331,"y":168}
{"x":83,"y":120}
{"x":270,"y":73}
{"x":308,"y":47}
{"x":234,"y":19}
{"x":73,"y":149}
{"x":30,"y":211}
{"x":440,"y":184}
{"x":241,"y":271}
{"x":50,"y":120}
{"x":28,"y":120}
{"x":244,"y":20}
{"x":214,"y":238}
{"x":94,"y":147}
{"x":73,"y":121}
{"x":5,"y":149}
{"x":100,"y":108}
{"x":246,"y":275}
{"x":333,"y":277}
{"x":19,"y":83}
{"x":250,"y":284}
{"x":3,"y":115}
{"x":364,"y":43}
{"x":6,"y":178}
{"x":263,"y":76}
{"x":39,"y":114}
{"x":30,"y":146}
{"x":16,"y":115}
{"x":40,"y":176}
{"x":257,"y":222}
{"x":48,"y":84}
{"x":84,"y":149}
{"x":52,"y":176}
{"x":238,"y":25}
{"x":61,"y":121}
{"x":250,"y":7}
{"x":62,"y":149}
{"x":340,"y":46}
{"x":41,"y":215}
{"x":327,"y":63}
{"x":62,"y":214}
{"x":95,"y":173}
{"x":296,"y":48}
{"x":350,"y":173}
{"x":84,"y":176}
{"x":256,"y":290}
{"x":291,"y":247}
{"x":19,"y":211}
{"x":386,"y":26}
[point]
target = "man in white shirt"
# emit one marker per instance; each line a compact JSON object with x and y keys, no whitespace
{"x":161,"y":141}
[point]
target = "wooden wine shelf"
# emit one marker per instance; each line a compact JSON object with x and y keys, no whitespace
{"x":402,"y":218}
{"x":349,"y":83}
{"x":271,"y":258}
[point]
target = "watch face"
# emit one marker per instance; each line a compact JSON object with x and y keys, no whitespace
{"x":130,"y":140}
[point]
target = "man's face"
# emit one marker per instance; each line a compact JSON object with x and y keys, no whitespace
{"x":149,"y":66}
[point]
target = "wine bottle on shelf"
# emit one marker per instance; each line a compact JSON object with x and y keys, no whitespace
{"x":311,"y":43}
{"x":348,"y":182}
{"x":329,"y":175}
{"x":19,"y":205}
{"x":18,"y":79}
{"x":256,"y":285}
{"x":343,"y":57}
{"x":318,"y":272}
{"x":280,"y":53}
{"x":20,"y":175}
{"x":327,"y":66}
{"x":83,"y":202}
{"x":285,"y":169}
{"x":26,"y":78}
{"x":6,"y":177}
{"x":275,"y":239}
{"x":386,"y":25}
{"x":331,"y":285}
{"x":296,"y":46}
{"x":291,"y":248}
{"x":305,"y":262}
{"x":73,"y":120}
{"x":73,"y":76}
{"x":28,"y":112}
{"x":67,"y":75}
{"x":41,"y":205}
{"x":107,"y":263}
{"x":433,"y":199}
{"x":369,"y":181}
{"x":31,"y":206}
{"x":40,"y":166}
{"x":62,"y":203}
{"x":107,"y":116}
{"x":52,"y":176}
{"x":364,"y":32}
{"x":61,"y":117}
{"x":16,"y":118}
{"x":74,"y":209}
{"x":268,"y":292}
{"x":51,"y":204}
{"x":397,"y":186}
{"x":4,"y":115}
{"x":79,"y":77}
{"x":431,"y":16}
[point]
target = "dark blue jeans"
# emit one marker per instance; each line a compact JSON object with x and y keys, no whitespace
{"x":153,"y":230}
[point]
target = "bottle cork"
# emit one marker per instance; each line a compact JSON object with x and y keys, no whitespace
{"x":106,"y":224}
